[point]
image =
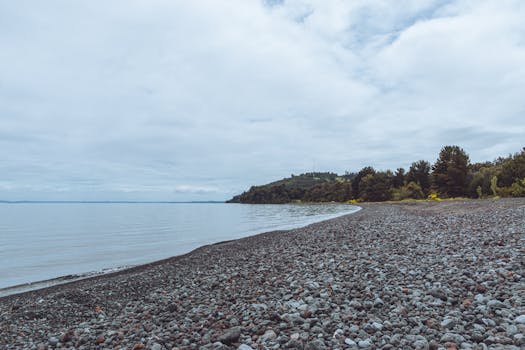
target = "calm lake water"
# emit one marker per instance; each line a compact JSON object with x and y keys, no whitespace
{"x":41,"y":241}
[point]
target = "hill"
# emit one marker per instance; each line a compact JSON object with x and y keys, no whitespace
{"x":309,"y":187}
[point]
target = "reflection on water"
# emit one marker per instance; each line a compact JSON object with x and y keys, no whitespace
{"x":45,"y":240}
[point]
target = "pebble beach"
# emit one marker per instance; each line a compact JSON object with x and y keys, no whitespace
{"x":426,"y":275}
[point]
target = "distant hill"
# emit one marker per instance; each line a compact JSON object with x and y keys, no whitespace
{"x":451,"y":176}
{"x":309,"y":187}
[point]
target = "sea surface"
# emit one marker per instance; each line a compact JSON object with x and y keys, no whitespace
{"x":41,"y":241}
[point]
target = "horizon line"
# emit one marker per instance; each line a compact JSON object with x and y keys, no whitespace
{"x":105,"y":201}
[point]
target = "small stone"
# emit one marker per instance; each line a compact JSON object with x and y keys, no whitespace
{"x":448,"y":323}
{"x":452,"y":337}
{"x":156,"y":346}
{"x":338,"y":332}
{"x":260,"y":307}
{"x":230,"y":336}
{"x":512,"y":329}
{"x":365,"y":343}
{"x":520,"y":319}
{"x":488,"y":322}
{"x":294,"y":318}
{"x":421,"y":344}
{"x":53,"y":341}
{"x":315,"y":345}
{"x":244,"y":347}
{"x":378,"y":302}
{"x":350,"y":342}
{"x":100,"y":340}
{"x":269,"y":335}
{"x":495,"y":304}
{"x":356,"y":305}
{"x":519,"y":339}
{"x":377,"y":326}
{"x":64,"y":338}
{"x":354,"y":328}
{"x":450,"y":346}
{"x":138,"y":346}
{"x":294,"y":344}
{"x":438,"y":293}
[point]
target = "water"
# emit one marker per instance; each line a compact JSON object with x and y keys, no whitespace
{"x":40,"y":241}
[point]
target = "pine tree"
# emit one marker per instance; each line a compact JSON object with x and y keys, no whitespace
{"x":419,"y":173}
{"x":450,"y":172}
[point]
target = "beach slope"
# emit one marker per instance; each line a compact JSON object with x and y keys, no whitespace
{"x":420,"y":275}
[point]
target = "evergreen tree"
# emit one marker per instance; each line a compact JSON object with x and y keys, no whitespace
{"x":419,"y":173}
{"x":376,"y":187}
{"x":513,"y":169}
{"x":357,"y":179}
{"x":399,"y":178}
{"x":450,"y":172}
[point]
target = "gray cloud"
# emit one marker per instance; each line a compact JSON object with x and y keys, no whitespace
{"x":176,"y":100}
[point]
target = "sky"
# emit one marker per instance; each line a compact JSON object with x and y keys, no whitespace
{"x":199,"y":100}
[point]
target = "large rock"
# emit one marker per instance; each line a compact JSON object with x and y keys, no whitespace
{"x":230,"y":336}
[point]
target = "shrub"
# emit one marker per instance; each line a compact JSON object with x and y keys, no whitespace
{"x":410,"y":190}
{"x":494,"y":185}
{"x":479,"y":192}
{"x":434,"y":197}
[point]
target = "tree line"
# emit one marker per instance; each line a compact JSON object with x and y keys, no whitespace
{"x":451,"y":176}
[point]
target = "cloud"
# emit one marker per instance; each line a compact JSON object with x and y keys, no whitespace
{"x":199,"y":100}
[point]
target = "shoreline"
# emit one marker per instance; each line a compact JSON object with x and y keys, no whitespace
{"x":453,"y":271}
{"x":73,"y":277}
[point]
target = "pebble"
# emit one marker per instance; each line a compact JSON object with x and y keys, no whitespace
{"x":53,"y":341}
{"x":350,"y":342}
{"x":520,"y":319}
{"x":438,"y":293}
{"x":448,"y":323}
{"x":230,"y":336}
{"x":364,"y":343}
{"x":269,"y":335}
{"x":244,"y":347}
{"x":421,"y":345}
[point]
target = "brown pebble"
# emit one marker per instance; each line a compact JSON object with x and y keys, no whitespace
{"x":450,"y":346}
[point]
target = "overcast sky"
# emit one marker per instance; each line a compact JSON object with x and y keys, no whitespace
{"x":193,"y":100}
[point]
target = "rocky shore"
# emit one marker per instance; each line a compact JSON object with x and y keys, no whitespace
{"x":447,"y":275}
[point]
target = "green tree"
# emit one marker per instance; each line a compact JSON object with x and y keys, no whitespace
{"x":356,"y":181}
{"x":376,"y":187}
{"x":450,"y":172}
{"x":419,"y":173}
{"x":481,"y":178}
{"x":399,"y":178}
{"x":512,"y":170}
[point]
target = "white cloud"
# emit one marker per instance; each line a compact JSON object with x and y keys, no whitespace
{"x":165,"y":99}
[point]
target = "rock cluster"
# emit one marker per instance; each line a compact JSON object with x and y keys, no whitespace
{"x":448,"y":275}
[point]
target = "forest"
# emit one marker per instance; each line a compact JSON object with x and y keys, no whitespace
{"x":451,"y":176}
